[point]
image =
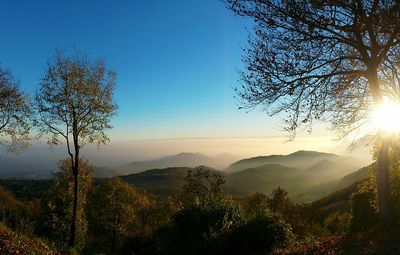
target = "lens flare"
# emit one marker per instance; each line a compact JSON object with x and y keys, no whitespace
{"x":386,"y":117}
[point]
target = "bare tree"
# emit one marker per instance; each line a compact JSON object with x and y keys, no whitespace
{"x":15,"y":113}
{"x":75,"y":105}
{"x":325,"y":61}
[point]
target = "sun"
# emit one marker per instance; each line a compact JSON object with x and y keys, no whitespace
{"x":386,"y":117}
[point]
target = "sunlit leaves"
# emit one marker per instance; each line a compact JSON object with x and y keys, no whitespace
{"x":75,"y":99}
{"x":15,"y":113}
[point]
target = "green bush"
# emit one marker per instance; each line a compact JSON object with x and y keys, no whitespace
{"x":263,"y":232}
{"x":217,"y":226}
{"x":201,"y":227}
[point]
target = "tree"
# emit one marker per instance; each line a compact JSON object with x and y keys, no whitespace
{"x":57,"y":205}
{"x":279,"y":201}
{"x":201,"y":183}
{"x":15,"y":112}
{"x":116,"y":211}
{"x":75,"y":105}
{"x":323,"y":60}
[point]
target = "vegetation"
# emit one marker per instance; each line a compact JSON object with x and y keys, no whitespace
{"x":12,"y":243}
{"x":324,"y":60}
{"x":313,"y":60}
{"x":74,"y":105}
{"x":15,"y":113}
{"x":117,"y":218}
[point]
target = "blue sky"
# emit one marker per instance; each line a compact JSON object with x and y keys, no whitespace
{"x":175,"y":61}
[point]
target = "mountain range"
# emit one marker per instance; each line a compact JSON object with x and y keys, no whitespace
{"x":178,"y":160}
{"x":306,"y":175}
{"x":300,"y":173}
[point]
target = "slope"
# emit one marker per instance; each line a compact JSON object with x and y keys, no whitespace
{"x":162,"y":182}
{"x":178,"y":160}
{"x":13,"y":243}
{"x":300,"y":160}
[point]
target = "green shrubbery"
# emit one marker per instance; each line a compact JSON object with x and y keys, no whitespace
{"x":217,"y":225}
{"x":116,"y":218}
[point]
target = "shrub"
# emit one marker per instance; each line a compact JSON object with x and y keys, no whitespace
{"x":261,"y":234}
{"x":202,"y":227}
{"x":364,"y":214}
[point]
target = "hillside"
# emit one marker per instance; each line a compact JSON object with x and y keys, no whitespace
{"x":304,"y":185}
{"x":327,"y":188}
{"x":12,"y":243}
{"x":178,"y":160}
{"x":166,"y":181}
{"x":300,"y":160}
{"x":327,"y":169}
{"x":262,"y":179}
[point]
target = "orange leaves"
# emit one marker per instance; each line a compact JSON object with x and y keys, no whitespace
{"x":15,"y":244}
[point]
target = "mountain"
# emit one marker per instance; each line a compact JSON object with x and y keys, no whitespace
{"x":300,"y":173}
{"x":299,"y":184}
{"x":166,"y":181}
{"x":360,"y":147}
{"x":300,"y":160}
{"x":263,"y":179}
{"x":324,"y":189}
{"x":306,"y":175}
{"x":179,"y":160}
{"x":328,"y":169}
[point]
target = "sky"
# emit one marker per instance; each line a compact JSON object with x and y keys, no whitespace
{"x":176,"y":61}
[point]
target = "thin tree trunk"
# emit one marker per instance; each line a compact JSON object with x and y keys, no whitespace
{"x":72,"y":241}
{"x":386,"y":209}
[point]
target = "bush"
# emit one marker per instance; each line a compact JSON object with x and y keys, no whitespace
{"x":338,"y":222}
{"x":364,"y":214}
{"x":216,"y":225}
{"x":261,"y":234}
{"x":202,"y":227}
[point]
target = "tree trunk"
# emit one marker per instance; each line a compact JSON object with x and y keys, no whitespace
{"x":72,"y":240}
{"x":386,"y":209}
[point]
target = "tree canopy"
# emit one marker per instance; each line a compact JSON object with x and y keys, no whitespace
{"x":15,"y":112}
{"x":320,"y":60}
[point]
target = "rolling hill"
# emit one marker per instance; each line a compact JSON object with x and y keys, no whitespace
{"x":300,"y":160}
{"x":262,"y":179}
{"x":304,"y":185}
{"x":178,"y":160}
{"x":327,"y":169}
{"x":306,"y":175}
{"x":167,"y":181}
{"x":319,"y":191}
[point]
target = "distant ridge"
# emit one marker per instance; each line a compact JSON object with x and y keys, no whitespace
{"x":300,"y":159}
{"x":166,"y":181}
{"x":184,"y":159}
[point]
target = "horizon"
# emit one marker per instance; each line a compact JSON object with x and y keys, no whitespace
{"x":173,"y":112}
{"x":199,"y":127}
